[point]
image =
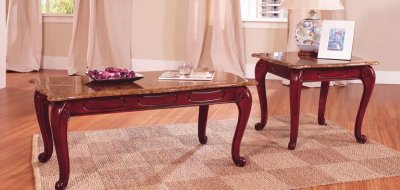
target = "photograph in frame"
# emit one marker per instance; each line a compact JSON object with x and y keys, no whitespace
{"x":336,"y":39}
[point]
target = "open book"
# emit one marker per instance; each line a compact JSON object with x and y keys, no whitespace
{"x":196,"y":75}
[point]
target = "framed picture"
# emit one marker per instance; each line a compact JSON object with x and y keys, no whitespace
{"x":336,"y":39}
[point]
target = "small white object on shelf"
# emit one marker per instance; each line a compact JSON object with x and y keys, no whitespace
{"x":194,"y":76}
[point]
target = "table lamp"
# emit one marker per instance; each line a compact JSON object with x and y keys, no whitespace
{"x":308,"y":31}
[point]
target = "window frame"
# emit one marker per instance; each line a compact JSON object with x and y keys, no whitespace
{"x":250,"y":19}
{"x":55,"y":17}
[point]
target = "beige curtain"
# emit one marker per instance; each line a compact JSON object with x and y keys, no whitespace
{"x":24,"y":36}
{"x":294,"y":17}
{"x":101,"y":35}
{"x":215,"y":35}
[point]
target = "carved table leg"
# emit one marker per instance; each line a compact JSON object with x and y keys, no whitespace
{"x":42,"y":114}
{"x":243,"y":102}
{"x":295,"y":94}
{"x":322,"y":102}
{"x":367,"y":77}
{"x":260,"y":73}
{"x":59,"y":122}
{"x":203,"y":113}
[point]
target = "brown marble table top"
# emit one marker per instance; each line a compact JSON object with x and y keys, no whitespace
{"x":77,"y":87}
{"x":293,"y":61}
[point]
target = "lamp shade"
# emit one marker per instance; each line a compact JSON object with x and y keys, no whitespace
{"x":313,"y":4}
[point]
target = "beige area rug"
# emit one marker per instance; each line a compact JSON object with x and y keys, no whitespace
{"x":170,"y":157}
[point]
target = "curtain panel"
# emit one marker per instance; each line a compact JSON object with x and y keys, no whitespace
{"x":215,"y":35}
{"x":101,"y":35}
{"x":24,"y":36}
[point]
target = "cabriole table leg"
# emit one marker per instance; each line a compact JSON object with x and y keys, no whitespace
{"x":42,"y":113}
{"x":59,"y":122}
{"x":367,"y":77}
{"x":243,"y":102}
{"x":295,"y":93}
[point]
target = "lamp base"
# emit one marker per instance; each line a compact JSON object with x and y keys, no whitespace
{"x":303,"y":53}
{"x":308,"y":34}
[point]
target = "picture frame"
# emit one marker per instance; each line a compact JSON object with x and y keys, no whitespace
{"x":336,"y":39}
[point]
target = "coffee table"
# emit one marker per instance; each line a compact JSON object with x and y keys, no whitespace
{"x":72,"y":96}
{"x":297,"y":69}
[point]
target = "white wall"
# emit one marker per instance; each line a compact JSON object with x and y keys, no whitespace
{"x":2,"y":43}
{"x":158,"y":36}
{"x":377,"y":29}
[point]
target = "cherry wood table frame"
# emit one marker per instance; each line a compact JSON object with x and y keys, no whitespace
{"x":297,"y":74}
{"x":62,"y":110}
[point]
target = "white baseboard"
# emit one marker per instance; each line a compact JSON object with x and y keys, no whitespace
{"x":54,"y":62}
{"x":60,"y":63}
{"x":250,"y":69}
{"x":385,"y":77}
{"x":382,"y":77}
{"x":153,"y":65}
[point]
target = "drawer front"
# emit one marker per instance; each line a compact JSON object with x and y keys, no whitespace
{"x":332,"y":74}
{"x":207,"y":96}
{"x":158,"y":100}
{"x":104,"y":103}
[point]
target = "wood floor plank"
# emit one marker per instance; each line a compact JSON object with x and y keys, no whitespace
{"x":18,"y":122}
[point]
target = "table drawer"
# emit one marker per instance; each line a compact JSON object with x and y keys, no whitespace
{"x":158,"y":100}
{"x":104,"y":103}
{"x":206,"y":96}
{"x":332,"y":74}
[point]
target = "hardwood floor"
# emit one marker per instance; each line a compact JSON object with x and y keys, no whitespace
{"x":18,"y":122}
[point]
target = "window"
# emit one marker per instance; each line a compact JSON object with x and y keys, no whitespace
{"x":263,"y":10}
{"x":58,"y":11}
{"x":57,"y":7}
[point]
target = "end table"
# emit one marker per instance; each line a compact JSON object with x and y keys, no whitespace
{"x":290,"y":66}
